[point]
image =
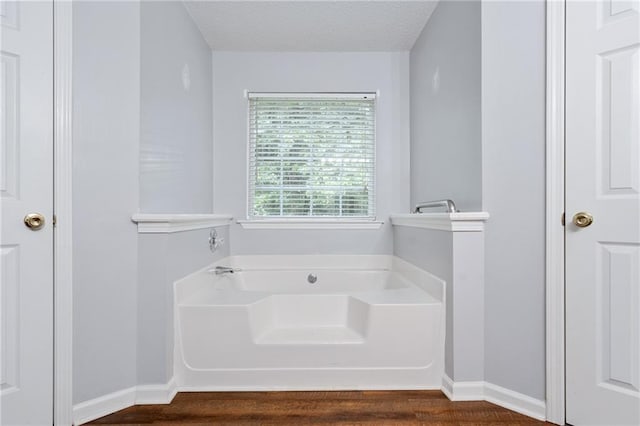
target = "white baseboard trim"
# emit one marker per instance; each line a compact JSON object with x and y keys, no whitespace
{"x":515,"y":401}
{"x":92,"y":409}
{"x":484,"y":391}
{"x":87,"y":411}
{"x":156,"y":394}
{"x":447,"y":387}
{"x":462,"y":391}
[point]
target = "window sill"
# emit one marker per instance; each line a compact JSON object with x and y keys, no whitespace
{"x":310,"y":224}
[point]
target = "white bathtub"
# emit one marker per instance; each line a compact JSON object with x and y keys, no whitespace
{"x":368,"y":322}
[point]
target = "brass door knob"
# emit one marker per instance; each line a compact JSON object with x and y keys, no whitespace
{"x":582,"y":219}
{"x":34,"y":221}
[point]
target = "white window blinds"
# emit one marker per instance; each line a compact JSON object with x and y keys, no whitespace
{"x":311,"y":155}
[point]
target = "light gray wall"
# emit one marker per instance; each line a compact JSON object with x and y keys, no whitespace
{"x":432,"y":251}
{"x":513,"y":134}
{"x":446,"y":139}
{"x":106,"y":116}
{"x":446,"y":157}
{"x":503,"y":175}
{"x":140,"y":140}
{"x":176,"y":172}
{"x":176,"y":140}
{"x":165,"y":258}
{"x":304,"y":72}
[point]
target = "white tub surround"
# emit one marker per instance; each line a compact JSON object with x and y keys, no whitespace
{"x":161,"y":223}
{"x":366,"y":322}
{"x":454,"y":248}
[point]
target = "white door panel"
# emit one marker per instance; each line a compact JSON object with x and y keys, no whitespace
{"x":603,"y":179}
{"x":26,"y":173}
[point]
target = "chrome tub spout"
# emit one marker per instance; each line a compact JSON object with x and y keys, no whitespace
{"x":220,"y":270}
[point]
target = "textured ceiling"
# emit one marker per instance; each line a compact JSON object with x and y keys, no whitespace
{"x":311,"y":25}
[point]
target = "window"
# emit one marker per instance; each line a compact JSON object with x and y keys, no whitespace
{"x":311,"y":156}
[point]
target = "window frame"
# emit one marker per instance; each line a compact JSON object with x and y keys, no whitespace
{"x":310,"y":222}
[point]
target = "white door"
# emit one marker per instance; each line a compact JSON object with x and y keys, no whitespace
{"x":603,"y":180}
{"x":26,"y":186}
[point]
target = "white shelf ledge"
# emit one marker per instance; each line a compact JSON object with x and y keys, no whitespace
{"x":453,"y":222}
{"x":159,"y":223}
{"x":310,"y":224}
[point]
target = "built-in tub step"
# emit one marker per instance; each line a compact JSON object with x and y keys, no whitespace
{"x":308,"y":319}
{"x":310,"y":336}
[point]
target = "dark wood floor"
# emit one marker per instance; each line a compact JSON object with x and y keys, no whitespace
{"x":317,"y":408}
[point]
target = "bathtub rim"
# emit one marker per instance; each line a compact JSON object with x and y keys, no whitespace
{"x":420,"y":278}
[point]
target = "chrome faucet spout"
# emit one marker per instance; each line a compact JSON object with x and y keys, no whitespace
{"x":219,"y":270}
{"x":448,"y":204}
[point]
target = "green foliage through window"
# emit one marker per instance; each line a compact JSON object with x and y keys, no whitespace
{"x":312,"y":156}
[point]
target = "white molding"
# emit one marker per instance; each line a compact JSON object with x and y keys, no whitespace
{"x":63,"y":254}
{"x":149,"y":223}
{"x":555,"y":336}
{"x":87,"y":411}
{"x":156,"y":394}
{"x":453,"y":222}
{"x":447,"y":386}
{"x":92,"y":409}
{"x":310,"y":224}
{"x":462,"y":391}
{"x":484,"y":391}
{"x":515,"y":401}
